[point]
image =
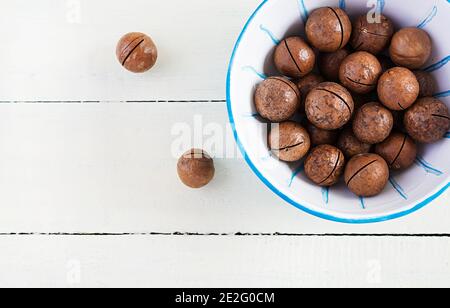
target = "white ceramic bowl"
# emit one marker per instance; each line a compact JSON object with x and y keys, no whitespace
{"x":252,"y":61}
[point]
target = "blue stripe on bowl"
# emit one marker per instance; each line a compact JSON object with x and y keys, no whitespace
{"x":362,"y":202}
{"x":427,"y":166}
{"x":398,"y":188}
{"x":296,"y":172}
{"x":374,"y":219}
{"x":253,"y":70}
{"x":380,"y":5}
{"x":270,"y":34}
{"x":438,"y":65}
{"x":250,"y":115}
{"x":303,"y":10}
{"x":326,"y":194}
{"x":429,"y":18}
{"x":442,"y":94}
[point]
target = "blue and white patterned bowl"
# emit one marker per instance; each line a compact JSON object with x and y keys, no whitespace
{"x":251,"y":62}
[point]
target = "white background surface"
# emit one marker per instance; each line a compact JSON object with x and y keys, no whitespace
{"x":87,"y":174}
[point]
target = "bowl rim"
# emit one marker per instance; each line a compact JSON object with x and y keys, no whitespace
{"x":376,"y":219}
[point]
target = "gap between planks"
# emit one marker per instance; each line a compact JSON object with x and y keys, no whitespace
{"x":237,"y":234}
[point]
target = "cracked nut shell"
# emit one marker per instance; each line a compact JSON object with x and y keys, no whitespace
{"x":399,"y":151}
{"x":366,"y":175}
{"x":373,"y":123}
{"x":360,"y":72}
{"x":277,"y":99}
{"x":294,"y":58}
{"x":398,"y":88}
{"x":196,"y":168}
{"x":137,"y":52}
{"x":411,"y":48}
{"x":328,"y":29}
{"x":325,"y":165}
{"x":372,"y":37}
{"x":329,"y":106}
{"x":289,"y":141}
{"x":350,"y":145}
{"x":428,"y":120}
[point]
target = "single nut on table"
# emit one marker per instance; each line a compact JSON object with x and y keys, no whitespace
{"x":350,"y":145}
{"x":196,"y":168}
{"x":366,"y":175}
{"x":427,"y":83}
{"x":360,"y":71}
{"x":289,"y":141}
{"x":373,"y":123}
{"x":321,"y":136}
{"x":325,"y":165}
{"x":370,"y":36}
{"x":137,"y":52}
{"x":428,"y":120}
{"x":277,"y":99}
{"x":398,"y":88}
{"x":328,"y":29}
{"x":330,"y":63}
{"x":309,"y":82}
{"x":294,"y":58}
{"x":329,"y":106}
{"x":411,"y":48}
{"x":398,"y":150}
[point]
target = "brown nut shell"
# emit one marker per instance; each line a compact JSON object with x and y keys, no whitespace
{"x":330,"y":63}
{"x":309,"y":82}
{"x":277,"y":99}
{"x":294,"y":58}
{"x":399,"y":151}
{"x":372,"y":37}
{"x":196,"y":168}
{"x":366,"y":175}
{"x":373,"y":123}
{"x":289,"y":141}
{"x":360,"y":72}
{"x":398,"y":88}
{"x":350,"y":145}
{"x":329,"y":106}
{"x":321,"y":136}
{"x":328,"y":29}
{"x":427,"y":83}
{"x":325,"y":165}
{"x":428,"y":120}
{"x":137,"y":52}
{"x":411,"y":48}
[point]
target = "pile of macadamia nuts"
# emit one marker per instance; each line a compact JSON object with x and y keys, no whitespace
{"x":367,"y":109}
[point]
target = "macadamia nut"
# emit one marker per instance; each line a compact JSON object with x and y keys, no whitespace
{"x":277,"y":99}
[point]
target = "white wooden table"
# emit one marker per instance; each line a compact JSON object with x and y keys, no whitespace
{"x":88,"y":189}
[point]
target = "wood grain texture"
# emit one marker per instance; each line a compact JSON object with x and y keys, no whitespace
{"x":65,"y":50}
{"x":112,"y":168}
{"x":223,"y":262}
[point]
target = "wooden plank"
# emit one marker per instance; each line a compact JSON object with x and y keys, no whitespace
{"x":112,"y":168}
{"x":146,"y":261}
{"x":65,"y":50}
